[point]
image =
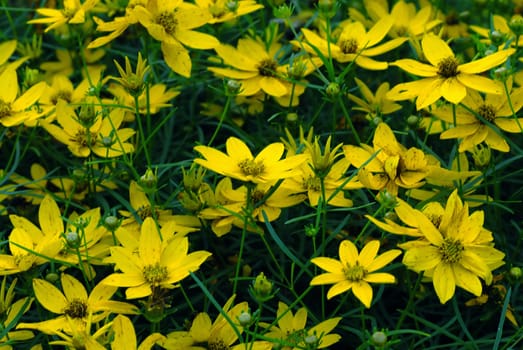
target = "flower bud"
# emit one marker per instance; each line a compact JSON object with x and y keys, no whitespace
{"x":516,"y":25}
{"x":148,"y":180}
{"x":232,"y":87}
{"x":516,"y":272}
{"x":379,"y":339}
{"x":333,"y":89}
{"x":262,"y":289}
{"x":245,"y":318}
{"x":111,"y":223}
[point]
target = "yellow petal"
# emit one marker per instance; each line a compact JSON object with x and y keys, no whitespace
{"x":73,"y":289}
{"x":380,"y":277}
{"x":453,"y":91}
{"x":197,"y":40}
{"x":485,"y":63}
{"x":49,"y":217}
{"x":201,"y":328}
{"x":467,"y":280}
{"x":444,"y":282}
{"x":435,"y":49}
{"x":124,"y":334}
{"x":481,"y":83}
{"x":363,"y":291}
{"x":368,"y":253}
{"x":422,"y":258}
{"x":339,"y":288}
{"x":49,"y":296}
{"x":150,"y":242}
{"x":177,"y":58}
{"x":416,"y":67}
{"x":348,"y":253}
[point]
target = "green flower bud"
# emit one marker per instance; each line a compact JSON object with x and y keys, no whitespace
{"x":333,"y":89}
{"x":379,"y":339}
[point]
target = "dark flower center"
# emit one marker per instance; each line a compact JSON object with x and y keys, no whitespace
{"x":448,"y":67}
{"x":167,"y":21}
{"x":267,"y":68}
{"x":349,"y":46}
{"x":76,"y":309}
{"x":5,"y":109}
{"x":155,"y":274}
{"x":487,"y":112}
{"x":451,"y":250}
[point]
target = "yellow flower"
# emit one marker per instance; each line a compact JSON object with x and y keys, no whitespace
{"x":292,"y":329}
{"x":125,"y":336}
{"x":500,"y":34}
{"x":172,"y":22}
{"x":374,"y":105}
{"x":240,"y":164}
{"x":443,"y":76}
{"x":158,"y":264}
{"x":14,"y":109}
{"x":355,"y":271}
{"x":74,"y":306}
{"x":455,"y":249}
{"x":255,"y":65}
{"x":220,"y":334}
{"x":73,"y":13}
{"x":88,"y":132}
{"x":223,"y":10}
{"x":408,"y":22}
{"x":472,"y":115}
{"x":354,"y":44}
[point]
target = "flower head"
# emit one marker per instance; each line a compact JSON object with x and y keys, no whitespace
{"x":355,"y":271}
{"x":444,"y":76}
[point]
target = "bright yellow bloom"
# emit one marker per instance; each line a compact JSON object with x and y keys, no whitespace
{"x":223,"y":10}
{"x":89,"y":132}
{"x":74,"y":306}
{"x":73,"y":13}
{"x":374,"y":105}
{"x":172,"y":22}
{"x":14,"y":109}
{"x":354,"y":44}
{"x":473,"y":114}
{"x":158,"y":264}
{"x":220,"y":334}
{"x":255,"y":65}
{"x":443,"y":76}
{"x":355,"y":271}
{"x":455,"y":249}
{"x":240,"y":164}
{"x":292,"y":329}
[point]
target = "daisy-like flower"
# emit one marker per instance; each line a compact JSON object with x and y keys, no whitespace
{"x":455,"y":249}
{"x":74,"y":305}
{"x":473,"y":114}
{"x":374,"y":105}
{"x":355,"y":271}
{"x":443,"y":76}
{"x":223,"y":10}
{"x":73,"y":13}
{"x":14,"y":109}
{"x":158,"y":264}
{"x":240,"y":164}
{"x":255,"y":65}
{"x":220,"y":334}
{"x":354,"y":44}
{"x":389,"y":165}
{"x":172,"y":22}
{"x":292,"y":329}
{"x":90,"y":132}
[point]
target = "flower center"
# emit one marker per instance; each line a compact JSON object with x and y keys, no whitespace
{"x":167,"y":21}
{"x":61,"y":95}
{"x":5,"y":109}
{"x":145,"y":211}
{"x":451,"y":250}
{"x":349,"y":46}
{"x":354,"y":273}
{"x":448,"y":67}
{"x":77,"y":308}
{"x":251,"y":167}
{"x":257,"y":196}
{"x":84,"y":138}
{"x":217,"y":345}
{"x":267,"y":68}
{"x":487,"y":112}
{"x":313,"y":183}
{"x":217,"y":11}
{"x":155,"y":274}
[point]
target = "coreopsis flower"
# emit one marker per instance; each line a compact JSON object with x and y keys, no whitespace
{"x":374,"y":105}
{"x":66,"y":58}
{"x":473,"y":118}
{"x":354,"y":44}
{"x":443,"y":76}
{"x":125,"y":336}
{"x":389,"y":165}
{"x":223,"y":10}
{"x":293,"y":333}
{"x":234,"y":204}
{"x":407,"y":21}
{"x":355,"y":271}
{"x":219,"y":334}
{"x":255,"y":65}
{"x":15,"y":109}
{"x":159,"y":264}
{"x":172,"y":22}
{"x":73,"y":13}
{"x":74,"y":306}
{"x":88,"y":132}
{"x":30,"y":245}
{"x":240,"y":164}
{"x":455,"y":249}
